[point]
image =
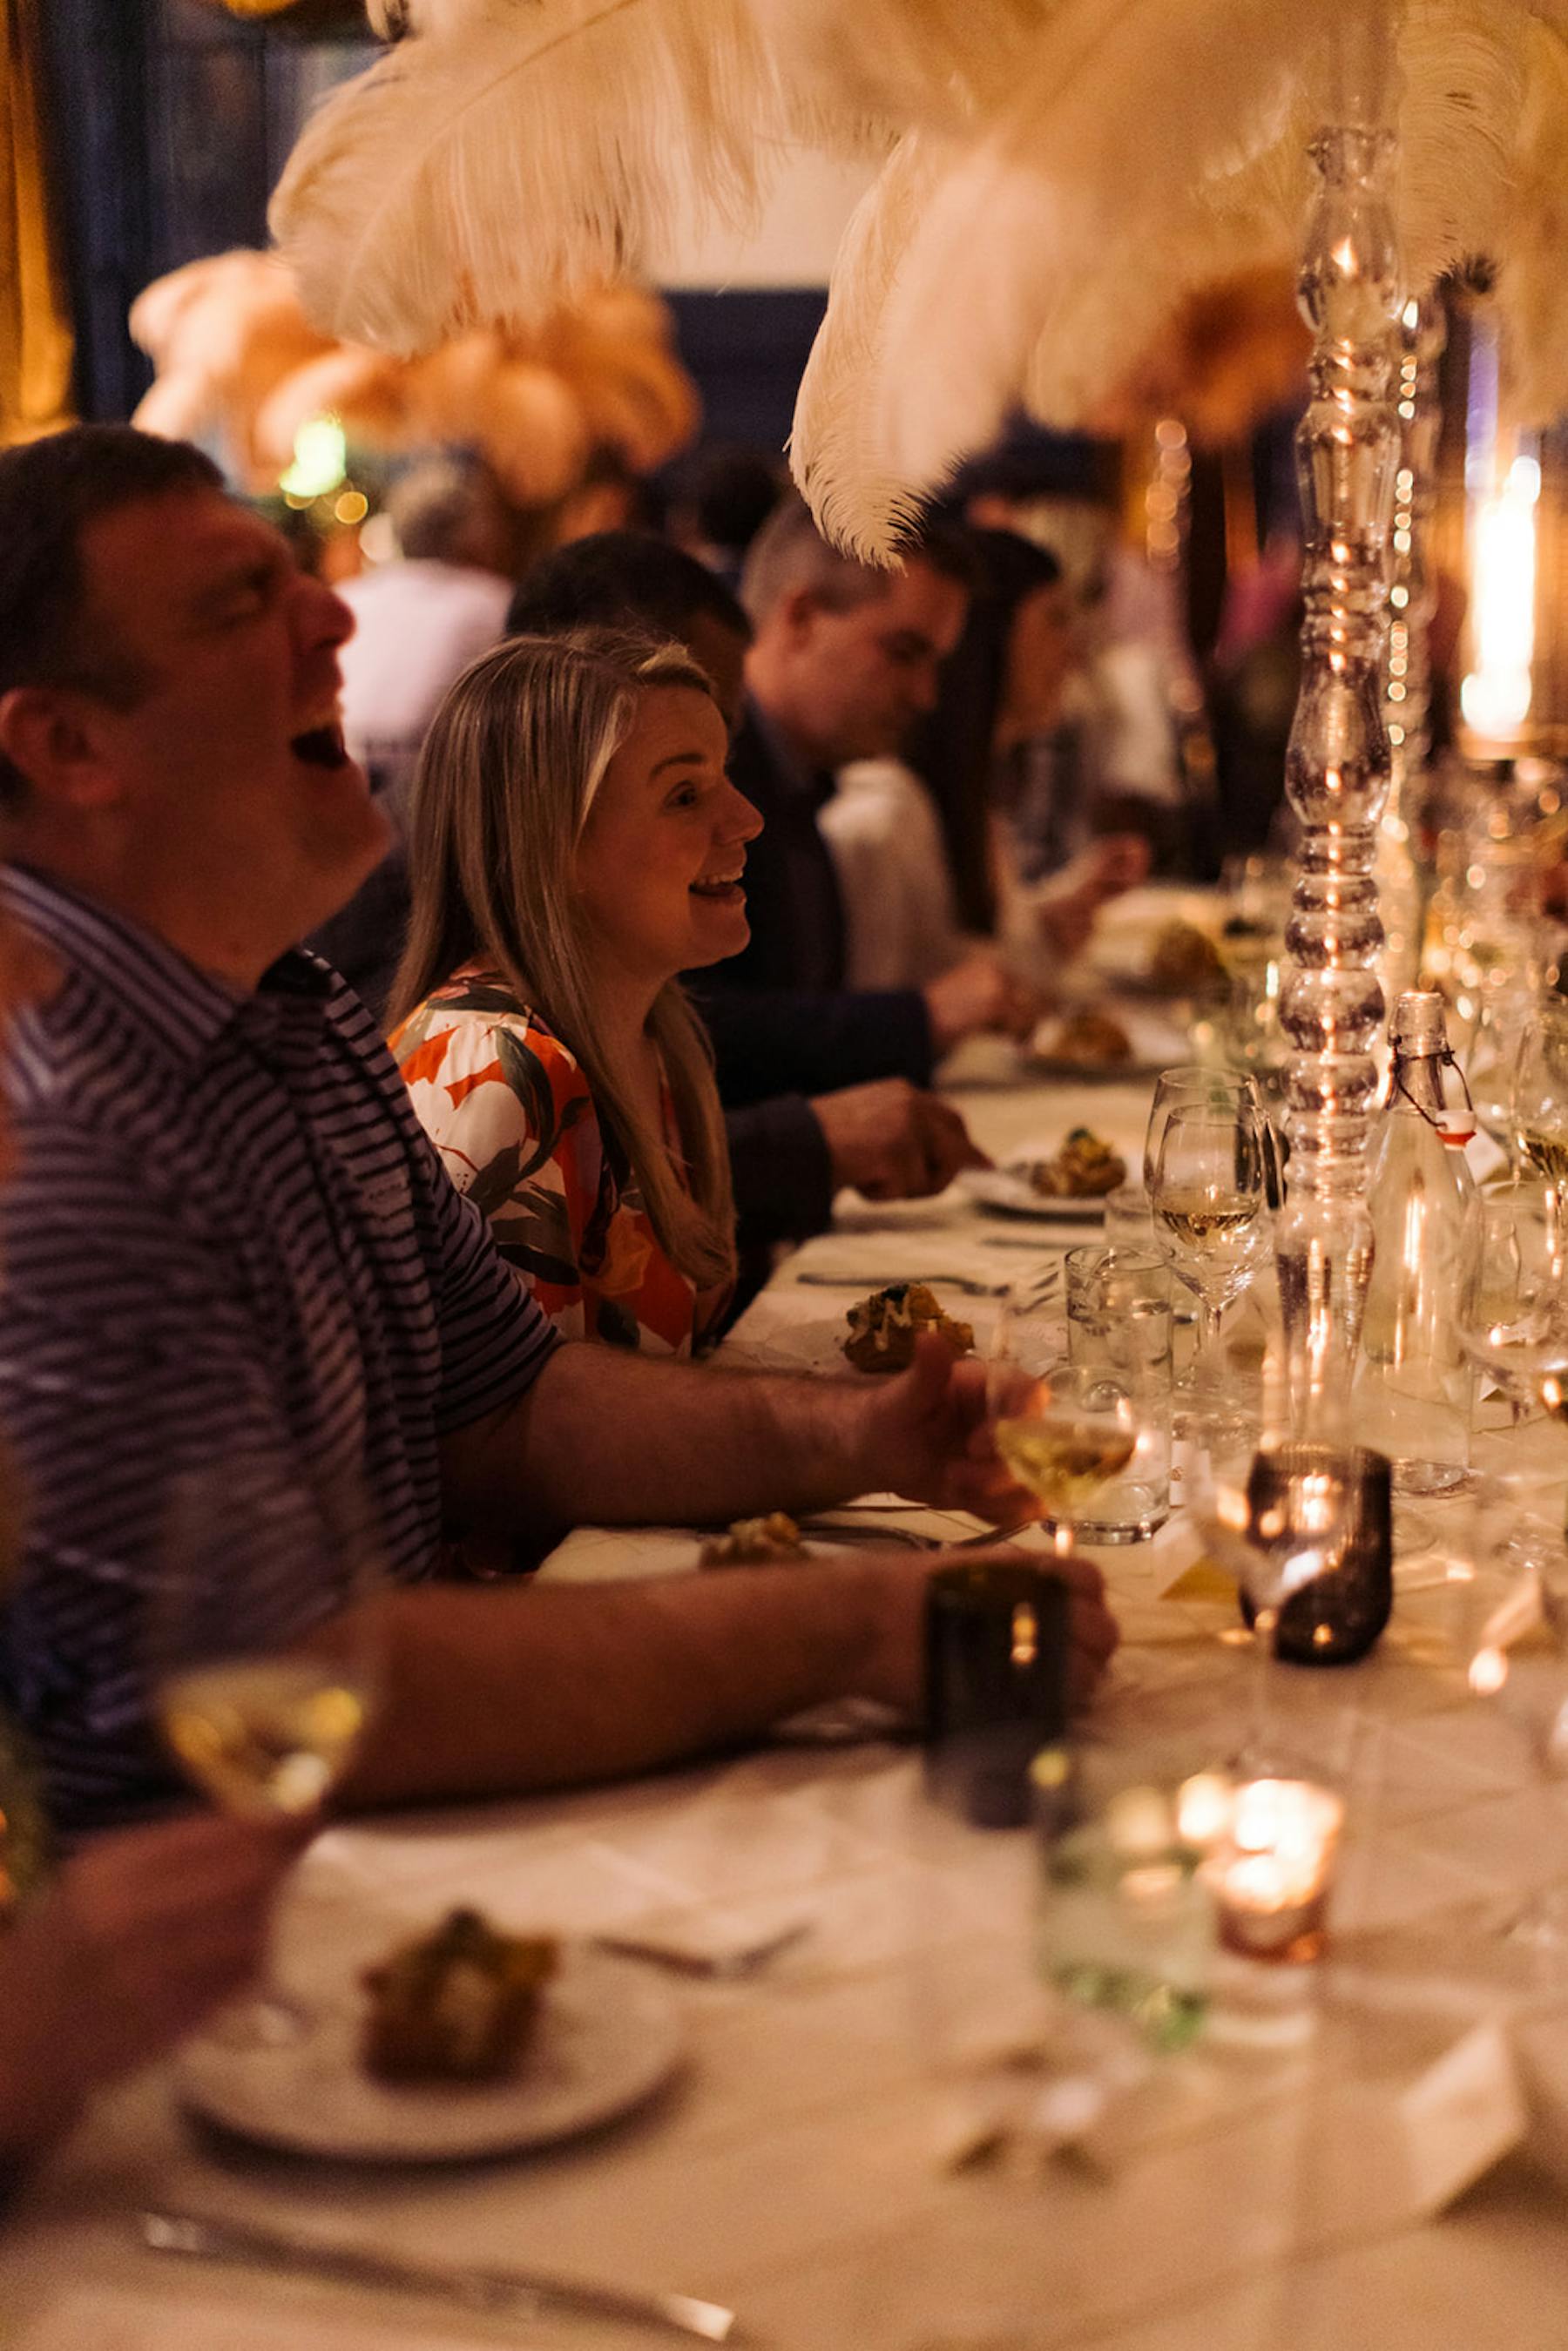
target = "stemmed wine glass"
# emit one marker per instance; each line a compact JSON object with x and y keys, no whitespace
{"x":265,"y":1648}
{"x":1491,"y":1067}
{"x":1063,"y":1439}
{"x":1220,"y":1090}
{"x":1207,"y":1203}
{"x":1499,"y":1603}
{"x":1273,"y":1553}
{"x":1513,"y":1297}
{"x":1540,"y":1099}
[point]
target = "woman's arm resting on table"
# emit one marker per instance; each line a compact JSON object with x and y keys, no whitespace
{"x":502,"y":1690}
{"x":606,"y":1438}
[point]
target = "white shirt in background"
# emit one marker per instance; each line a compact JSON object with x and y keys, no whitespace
{"x":418,"y":624}
{"x":901,"y":924}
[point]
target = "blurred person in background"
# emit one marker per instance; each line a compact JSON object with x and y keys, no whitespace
{"x":575,"y":844}
{"x":821,"y":1089}
{"x":719,"y":499}
{"x":419,"y":620}
{"x":930,"y":850}
{"x":844,"y":661}
{"x":1118,"y":737}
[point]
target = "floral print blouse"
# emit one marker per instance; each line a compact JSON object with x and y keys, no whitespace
{"x":510,"y":1112}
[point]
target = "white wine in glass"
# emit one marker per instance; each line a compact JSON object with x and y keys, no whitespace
{"x":1207,"y":1203}
{"x":266,"y":1737}
{"x":1064,"y":1459}
{"x":258,"y":1554}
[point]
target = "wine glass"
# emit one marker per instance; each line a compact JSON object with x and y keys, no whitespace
{"x":1221,"y":1091}
{"x":1493,"y":1063}
{"x":1513,"y":1297}
{"x":1207,"y":1201}
{"x":1499,"y":1603}
{"x":1540,"y":1098}
{"x":1280,"y":1520}
{"x":265,"y":1647}
{"x":1064,"y":1436}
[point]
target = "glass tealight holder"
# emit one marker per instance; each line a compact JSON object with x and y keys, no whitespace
{"x":1126,"y":1919}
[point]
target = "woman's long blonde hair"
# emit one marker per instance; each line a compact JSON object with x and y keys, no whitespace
{"x":509,"y":771}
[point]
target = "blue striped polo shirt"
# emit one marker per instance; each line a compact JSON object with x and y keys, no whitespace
{"x":227,"y":1236}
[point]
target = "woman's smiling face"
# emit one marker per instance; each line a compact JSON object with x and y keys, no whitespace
{"x":661,"y":858}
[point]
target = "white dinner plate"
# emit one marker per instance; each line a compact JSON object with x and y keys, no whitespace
{"x":1158,"y":1042}
{"x":609,"y":2037}
{"x":1007,"y":1194}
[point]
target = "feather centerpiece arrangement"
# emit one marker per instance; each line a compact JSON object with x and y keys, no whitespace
{"x":1062,"y":178}
{"x":235,"y":354}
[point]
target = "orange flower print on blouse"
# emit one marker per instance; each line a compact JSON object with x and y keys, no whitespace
{"x":510,"y":1112}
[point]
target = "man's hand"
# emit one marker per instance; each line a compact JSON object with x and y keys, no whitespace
{"x":978,"y":993}
{"x":142,"y":1933}
{"x":926,"y":1433}
{"x":1067,"y":904}
{"x":894,"y":1664}
{"x":893,"y":1142}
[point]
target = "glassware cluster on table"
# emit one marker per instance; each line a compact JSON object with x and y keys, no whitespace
{"x":1471,"y":1303}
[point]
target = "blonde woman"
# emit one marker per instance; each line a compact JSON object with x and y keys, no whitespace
{"x":574,"y":843}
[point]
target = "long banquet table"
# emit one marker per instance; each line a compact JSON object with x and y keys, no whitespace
{"x":794,"y":2169}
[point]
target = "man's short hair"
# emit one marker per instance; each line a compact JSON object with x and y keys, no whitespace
{"x":51,"y":490}
{"x":728,"y":490}
{"x":432,"y":507}
{"x":620,"y":579}
{"x":789,"y":554}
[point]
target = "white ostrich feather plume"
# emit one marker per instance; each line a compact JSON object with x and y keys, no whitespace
{"x":904,"y":61}
{"x":517,"y":152}
{"x":1152,"y":149}
{"x":845,"y":473}
{"x":1063,"y":174}
{"x":996,"y":277}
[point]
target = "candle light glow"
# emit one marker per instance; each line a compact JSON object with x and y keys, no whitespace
{"x":1271,"y":1875}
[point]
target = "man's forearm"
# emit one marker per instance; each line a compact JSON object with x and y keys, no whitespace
{"x":606,"y":1438}
{"x":500,"y":1691}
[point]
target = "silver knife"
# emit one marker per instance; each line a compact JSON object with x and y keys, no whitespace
{"x":525,"y":2293}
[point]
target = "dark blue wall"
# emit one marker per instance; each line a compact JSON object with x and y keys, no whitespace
{"x":169,"y":123}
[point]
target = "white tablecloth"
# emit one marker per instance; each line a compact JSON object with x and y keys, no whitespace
{"x":793,"y":2170}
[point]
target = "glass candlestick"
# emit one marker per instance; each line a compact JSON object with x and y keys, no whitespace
{"x":1412,"y":605}
{"x":1338,"y":762}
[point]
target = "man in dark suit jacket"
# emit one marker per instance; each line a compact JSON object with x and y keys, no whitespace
{"x":844,"y":659}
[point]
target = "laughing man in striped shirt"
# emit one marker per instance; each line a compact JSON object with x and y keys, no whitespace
{"x":229,"y":1237}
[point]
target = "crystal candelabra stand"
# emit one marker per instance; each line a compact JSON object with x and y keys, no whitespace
{"x":1338,"y":763}
{"x":1412,"y":604}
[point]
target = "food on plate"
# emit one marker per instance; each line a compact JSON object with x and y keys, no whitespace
{"x":1186,"y":960}
{"x":1089,"y":1039}
{"x":1085,"y":1168}
{"x":753,"y":1543}
{"x":884,"y":1327}
{"x":459,"y":2004}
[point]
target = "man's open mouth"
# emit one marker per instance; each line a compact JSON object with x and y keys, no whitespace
{"x":726,"y":885}
{"x":321,"y":747}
